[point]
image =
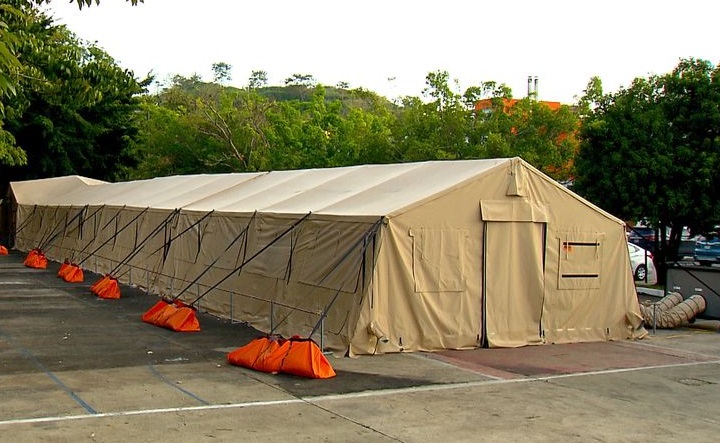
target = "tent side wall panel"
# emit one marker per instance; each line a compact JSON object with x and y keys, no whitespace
{"x":291,"y":280}
{"x":585,"y":310}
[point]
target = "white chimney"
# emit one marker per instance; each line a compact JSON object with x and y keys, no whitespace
{"x":529,"y":91}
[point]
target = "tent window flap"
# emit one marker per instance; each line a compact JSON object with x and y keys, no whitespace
{"x":437,"y":259}
{"x":580,"y":260}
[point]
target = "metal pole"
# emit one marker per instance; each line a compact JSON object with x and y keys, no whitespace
{"x":199,"y":300}
{"x":654,"y":317}
{"x":322,"y":333}
{"x":232,"y":308}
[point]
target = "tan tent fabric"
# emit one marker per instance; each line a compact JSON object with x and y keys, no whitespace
{"x":369,"y":259}
{"x":50,"y":191}
{"x":512,"y":210}
{"x":514,"y":283}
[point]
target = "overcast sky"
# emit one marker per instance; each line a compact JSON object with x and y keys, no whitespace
{"x":389,"y":46}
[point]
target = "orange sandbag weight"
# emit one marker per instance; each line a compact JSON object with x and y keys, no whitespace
{"x":74,"y":274}
{"x":151,"y":314}
{"x":64,"y":268}
{"x":183,"y":320}
{"x":111,"y":290}
{"x":304,"y":358}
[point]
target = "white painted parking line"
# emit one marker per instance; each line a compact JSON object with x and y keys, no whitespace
{"x":333,"y":397}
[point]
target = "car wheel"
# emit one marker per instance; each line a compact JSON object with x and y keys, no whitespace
{"x":640,"y":273}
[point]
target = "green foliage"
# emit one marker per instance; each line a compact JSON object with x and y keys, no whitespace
{"x":222,"y":72}
{"x":84,"y":3}
{"x":304,"y":126}
{"x":306,"y":80}
{"x":448,"y":127}
{"x":257,"y":79}
{"x":229,"y":129}
{"x":72,"y":107}
{"x":652,"y":150}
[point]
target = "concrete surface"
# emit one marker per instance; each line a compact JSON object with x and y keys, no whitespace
{"x":77,"y":368}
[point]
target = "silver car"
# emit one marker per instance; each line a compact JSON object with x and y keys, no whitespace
{"x":643,"y":267}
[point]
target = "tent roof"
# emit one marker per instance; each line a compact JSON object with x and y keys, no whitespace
{"x":45,"y":191}
{"x":371,"y":190}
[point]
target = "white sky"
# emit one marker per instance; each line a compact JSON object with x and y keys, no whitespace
{"x":367,"y":43}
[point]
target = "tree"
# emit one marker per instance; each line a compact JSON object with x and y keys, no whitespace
{"x":306,"y":80}
{"x":544,"y":137}
{"x":204,"y":127}
{"x":12,"y":38}
{"x":450,"y":126}
{"x":169,"y":142}
{"x":9,"y":40}
{"x":257,"y":79}
{"x":83,"y":3}
{"x":436,"y":129}
{"x":72,"y":107}
{"x":652,"y":151}
{"x":222,"y":72}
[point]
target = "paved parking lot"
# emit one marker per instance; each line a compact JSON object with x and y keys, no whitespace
{"x":77,"y":368}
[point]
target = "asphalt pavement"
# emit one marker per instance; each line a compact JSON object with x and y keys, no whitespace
{"x":74,"y":367}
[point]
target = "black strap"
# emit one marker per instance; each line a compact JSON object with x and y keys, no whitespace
{"x":245,"y":262}
{"x":366,"y":240}
{"x":95,"y":233}
{"x":55,"y":235}
{"x":26,"y":221}
{"x":152,"y":234}
{"x":116,"y":232}
{"x":243,"y":233}
{"x":169,"y":239}
{"x":81,"y":223}
{"x":47,"y":233}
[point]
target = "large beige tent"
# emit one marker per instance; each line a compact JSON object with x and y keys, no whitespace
{"x":367,"y":259}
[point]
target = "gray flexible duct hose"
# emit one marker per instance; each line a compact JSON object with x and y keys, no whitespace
{"x":673,"y":316}
{"x":669,"y":301}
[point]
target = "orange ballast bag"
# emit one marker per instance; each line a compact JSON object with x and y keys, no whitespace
{"x":73,"y":274}
{"x":36,"y":259}
{"x":104,"y":281}
{"x":106,"y":287}
{"x":304,"y":358}
{"x":263,"y":354}
{"x":64,"y":268}
{"x":183,"y":320}
{"x":176,"y":316}
{"x":3,"y":250}
{"x":152,"y":314}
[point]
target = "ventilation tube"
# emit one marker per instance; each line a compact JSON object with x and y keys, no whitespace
{"x":672,"y":310}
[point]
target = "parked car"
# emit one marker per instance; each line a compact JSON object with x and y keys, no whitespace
{"x":643,"y":267}
{"x":707,"y":249}
{"x":642,"y":236}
